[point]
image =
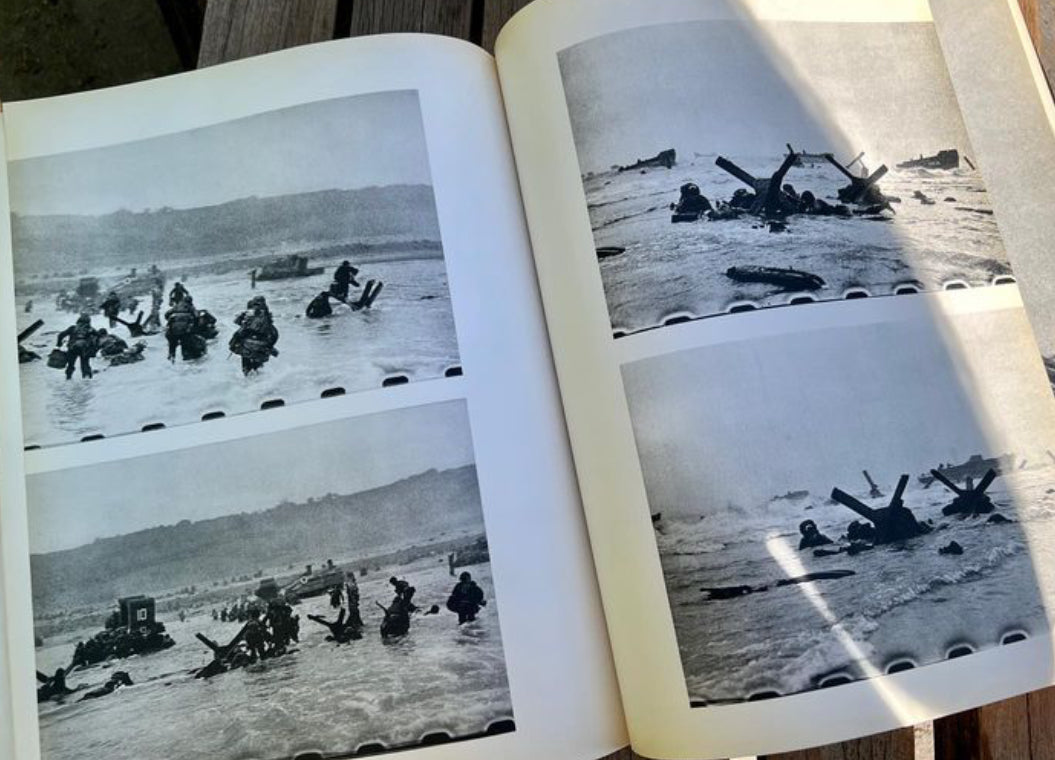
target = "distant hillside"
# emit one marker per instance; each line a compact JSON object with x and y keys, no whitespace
{"x":56,"y":242}
{"x":416,"y":510}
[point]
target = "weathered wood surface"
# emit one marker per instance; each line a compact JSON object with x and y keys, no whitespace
{"x":453,"y":18}
{"x":1017,"y":729}
{"x":241,"y":28}
{"x":893,"y":745}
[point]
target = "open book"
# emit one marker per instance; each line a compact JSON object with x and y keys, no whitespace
{"x":675,"y":377}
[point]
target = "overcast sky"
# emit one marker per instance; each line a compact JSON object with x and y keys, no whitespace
{"x":345,"y":143}
{"x":74,"y":507}
{"x":745,"y":421}
{"x":726,"y":87}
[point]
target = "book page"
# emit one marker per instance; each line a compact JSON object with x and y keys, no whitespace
{"x":284,"y":469}
{"x":811,"y":424}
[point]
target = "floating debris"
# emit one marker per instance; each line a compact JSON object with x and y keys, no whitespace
{"x":943,"y":159}
{"x":788,"y":279}
{"x":665,"y":158}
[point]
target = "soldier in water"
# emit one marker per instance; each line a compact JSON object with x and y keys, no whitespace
{"x":177,"y":294}
{"x":811,"y":536}
{"x":256,"y":336}
{"x":111,"y":308}
{"x":343,"y":277}
{"x":319,"y":306}
{"x":691,"y":201}
{"x":180,"y":325}
{"x":466,"y":599}
{"x":82,"y":343}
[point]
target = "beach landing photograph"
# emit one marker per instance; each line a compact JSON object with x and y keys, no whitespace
{"x":736,"y":164}
{"x":846,"y":502}
{"x":272,"y":259}
{"x":205,"y":601}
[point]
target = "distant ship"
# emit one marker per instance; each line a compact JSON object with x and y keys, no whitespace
{"x":287,"y":267}
{"x":793,"y":495}
{"x":975,"y":467}
{"x":943,"y":159}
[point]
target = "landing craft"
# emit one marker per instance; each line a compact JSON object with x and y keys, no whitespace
{"x":287,"y":267}
{"x":315,"y":583}
{"x":975,"y":467}
{"x":943,"y":159}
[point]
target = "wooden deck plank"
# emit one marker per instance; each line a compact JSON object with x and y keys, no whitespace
{"x":496,"y":14}
{"x":892,"y":745}
{"x":1042,"y":724}
{"x":452,"y":18}
{"x":241,"y":28}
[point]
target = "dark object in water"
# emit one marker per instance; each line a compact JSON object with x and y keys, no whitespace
{"x":793,"y":495}
{"x":770,"y":200}
{"x":824,"y":575}
{"x":315,"y":583}
{"x":873,"y":489}
{"x":943,"y":159}
{"x":982,"y":211}
{"x":787,"y":279}
{"x":731,"y":592}
{"x":974,"y":467}
{"x":691,"y":205}
{"x":998,"y":519}
{"x":951,"y":548}
{"x":224,"y":657}
{"x":804,"y":158}
{"x":895,"y":522}
{"x":862,"y":190}
{"x":130,"y":630}
{"x":287,"y":267}
{"x":657,"y":517}
{"x":665,"y":158}
{"x":923,"y":198}
{"x":971,"y":500}
{"x":24,"y":354}
{"x":396,"y":622}
{"x":608,"y":251}
{"x":57,"y":359}
{"x":30,"y":330}
{"x":812,"y":536}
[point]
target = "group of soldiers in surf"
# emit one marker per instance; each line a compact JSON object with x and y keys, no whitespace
{"x":339,"y":290}
{"x":466,"y":600}
{"x":187,"y":329}
{"x":773,"y":200}
{"x":267,"y":632}
{"x":55,"y":686}
{"x":270,"y":633}
{"x":114,"y":642}
{"x":895,"y":522}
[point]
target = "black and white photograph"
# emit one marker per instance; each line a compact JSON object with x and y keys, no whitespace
{"x":217,"y":603}
{"x":732,"y":165}
{"x":251,"y":263}
{"x":843,"y":503}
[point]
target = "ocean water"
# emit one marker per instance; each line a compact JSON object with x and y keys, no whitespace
{"x":409,"y":331}
{"x":679,"y":269}
{"x":322,"y":698}
{"x":905,"y":602}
